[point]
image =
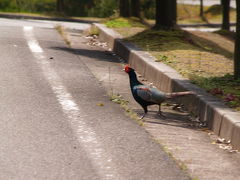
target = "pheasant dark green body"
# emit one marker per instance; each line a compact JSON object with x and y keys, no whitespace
{"x":146,"y":95}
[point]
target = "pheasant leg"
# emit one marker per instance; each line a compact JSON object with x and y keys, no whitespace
{"x":160,"y":112}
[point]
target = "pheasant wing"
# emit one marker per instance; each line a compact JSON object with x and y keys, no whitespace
{"x":151,"y":94}
{"x":144,"y":93}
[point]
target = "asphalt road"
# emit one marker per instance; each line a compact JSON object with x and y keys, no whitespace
{"x":56,"y":121}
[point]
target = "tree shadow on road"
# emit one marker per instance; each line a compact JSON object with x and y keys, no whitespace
{"x":100,"y":55}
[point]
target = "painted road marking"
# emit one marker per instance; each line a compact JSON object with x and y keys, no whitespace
{"x":85,"y":134}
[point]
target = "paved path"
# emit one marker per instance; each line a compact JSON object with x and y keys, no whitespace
{"x":56,"y":120}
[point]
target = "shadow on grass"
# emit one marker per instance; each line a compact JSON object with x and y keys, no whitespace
{"x":158,"y":41}
{"x":211,"y":46}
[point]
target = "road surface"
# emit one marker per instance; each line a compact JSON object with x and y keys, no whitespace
{"x":56,"y":121}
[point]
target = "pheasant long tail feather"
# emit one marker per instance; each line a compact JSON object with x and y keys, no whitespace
{"x":176,"y":94}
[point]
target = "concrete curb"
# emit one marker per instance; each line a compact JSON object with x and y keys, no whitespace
{"x":224,"y":121}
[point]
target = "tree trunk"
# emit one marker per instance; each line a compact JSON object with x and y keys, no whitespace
{"x":19,"y":5}
{"x":237,"y":45}
{"x":124,"y":8}
{"x":60,"y":5}
{"x":165,"y":14}
{"x":135,"y":8}
{"x":201,"y":9}
{"x":226,"y":9}
{"x":174,"y":12}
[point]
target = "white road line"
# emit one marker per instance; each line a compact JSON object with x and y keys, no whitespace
{"x":85,"y":134}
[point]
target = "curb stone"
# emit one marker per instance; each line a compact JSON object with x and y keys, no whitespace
{"x":223,"y":121}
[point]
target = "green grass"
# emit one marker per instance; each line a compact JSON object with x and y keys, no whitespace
{"x":26,"y":6}
{"x":117,"y":23}
{"x":126,"y":26}
{"x":224,"y":87}
{"x":123,"y":22}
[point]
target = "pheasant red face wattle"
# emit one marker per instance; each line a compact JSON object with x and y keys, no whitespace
{"x":127,"y":69}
